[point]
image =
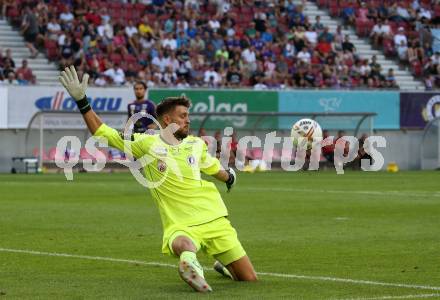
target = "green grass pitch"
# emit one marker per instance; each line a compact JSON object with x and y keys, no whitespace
{"x":304,"y":232}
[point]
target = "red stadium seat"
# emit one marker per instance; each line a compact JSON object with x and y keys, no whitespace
{"x":51,"y":49}
{"x":116,"y":58}
{"x":416,"y":68}
{"x":36,"y":153}
{"x":388,"y":47}
{"x":257,"y":153}
{"x":84,"y":154}
{"x":55,"y":154}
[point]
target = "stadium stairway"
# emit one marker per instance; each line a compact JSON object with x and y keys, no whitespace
{"x":46,"y":72}
{"x":403,"y":77}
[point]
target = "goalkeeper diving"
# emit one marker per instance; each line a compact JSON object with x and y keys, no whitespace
{"x":192,"y":211}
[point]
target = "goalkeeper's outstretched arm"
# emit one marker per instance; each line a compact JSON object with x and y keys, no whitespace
{"x":76,"y":89}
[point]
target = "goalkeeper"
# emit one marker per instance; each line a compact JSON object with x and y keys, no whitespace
{"x":192,"y":211}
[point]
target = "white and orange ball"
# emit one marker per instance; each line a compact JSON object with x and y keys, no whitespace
{"x":306,"y":133}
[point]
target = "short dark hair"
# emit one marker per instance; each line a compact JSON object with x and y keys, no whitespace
{"x":168,"y":104}
{"x":140,"y":82}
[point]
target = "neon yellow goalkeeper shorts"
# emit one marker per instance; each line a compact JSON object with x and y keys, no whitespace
{"x":216,"y":238}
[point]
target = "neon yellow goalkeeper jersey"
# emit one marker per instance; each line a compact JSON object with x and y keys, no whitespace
{"x":181,"y":195}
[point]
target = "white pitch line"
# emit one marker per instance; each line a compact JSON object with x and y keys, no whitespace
{"x":396,"y":297}
{"x":405,"y":194}
{"x":280,"y":275}
{"x":360,"y":192}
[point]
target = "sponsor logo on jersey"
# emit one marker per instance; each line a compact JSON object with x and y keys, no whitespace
{"x":160,"y":151}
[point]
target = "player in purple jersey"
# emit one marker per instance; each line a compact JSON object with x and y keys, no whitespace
{"x":142,"y":105}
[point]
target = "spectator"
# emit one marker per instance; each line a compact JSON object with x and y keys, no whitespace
{"x":347,"y":45}
{"x":375,"y":67}
{"x":53,"y":29}
{"x":211,"y":76}
{"x":304,"y":55}
{"x":93,"y":17}
{"x":363,"y":12}
{"x":100,"y":80}
{"x":21,"y":80}
{"x":233,"y":77}
{"x":250,"y":58}
{"x":7,"y":68}
{"x":400,"y":37}
{"x":348,"y":13}
{"x":66,"y":18}
{"x":30,"y":29}
{"x":25,"y":73}
{"x":318,"y":26}
{"x":11,"y":79}
{"x":260,"y":85}
{"x":67,"y":53}
{"x":311,"y":36}
{"x":169,"y":42}
{"x":380,"y":31}
{"x":115,"y":74}
{"x":8,"y":58}
{"x":402,"y":51}
{"x":390,"y":80}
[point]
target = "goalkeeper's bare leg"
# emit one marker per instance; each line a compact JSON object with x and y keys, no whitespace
{"x":190,"y":269}
{"x":240,"y":270}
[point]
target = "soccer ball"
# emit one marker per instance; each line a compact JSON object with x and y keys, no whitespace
{"x":306,"y":133}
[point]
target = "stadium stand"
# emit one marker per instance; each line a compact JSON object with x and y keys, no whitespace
{"x":260,"y":44}
{"x":411,"y":29}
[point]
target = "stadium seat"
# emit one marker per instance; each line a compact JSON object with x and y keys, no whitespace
{"x":36,"y":153}
{"x":388,"y":47}
{"x":54,"y":154}
{"x":257,"y":153}
{"x":51,"y":49}
{"x":84,"y":154}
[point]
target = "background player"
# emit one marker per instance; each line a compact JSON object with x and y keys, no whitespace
{"x":192,"y":211}
{"x":142,"y":105}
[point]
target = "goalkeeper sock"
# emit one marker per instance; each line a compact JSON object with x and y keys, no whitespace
{"x":191,"y":258}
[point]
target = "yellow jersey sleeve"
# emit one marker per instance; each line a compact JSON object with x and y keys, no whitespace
{"x":139,"y":146}
{"x":208,"y":164}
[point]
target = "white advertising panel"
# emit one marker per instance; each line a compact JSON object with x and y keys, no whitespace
{"x":24,"y":102}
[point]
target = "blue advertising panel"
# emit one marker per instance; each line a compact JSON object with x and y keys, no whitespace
{"x":384,"y":104}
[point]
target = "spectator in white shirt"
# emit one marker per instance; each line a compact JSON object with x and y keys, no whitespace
{"x":311,"y":36}
{"x":115,"y":73}
{"x":160,"y":61}
{"x":400,"y":37}
{"x":425,"y":13}
{"x":260,"y":85}
{"x":66,"y":17}
{"x":436,"y":58}
{"x":380,"y":31}
{"x":402,"y":50}
{"x":53,"y":29}
{"x":214,"y":24}
{"x":169,"y":42}
{"x":304,"y":55}
{"x":105,"y":31}
{"x":130,"y":29}
{"x":250,"y":58}
{"x":211,"y":76}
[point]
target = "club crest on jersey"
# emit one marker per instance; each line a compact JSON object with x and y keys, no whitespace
{"x":191,"y":160}
{"x":161,"y":166}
